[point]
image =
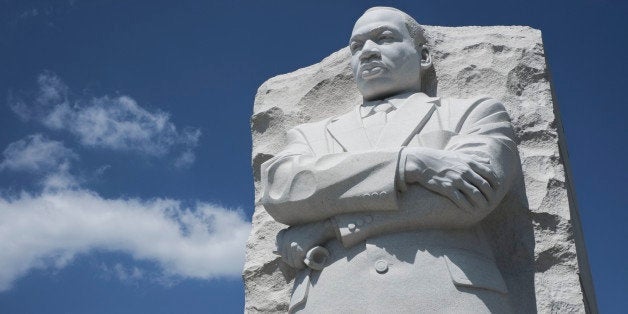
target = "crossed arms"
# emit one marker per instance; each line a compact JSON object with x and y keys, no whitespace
{"x":388,"y":191}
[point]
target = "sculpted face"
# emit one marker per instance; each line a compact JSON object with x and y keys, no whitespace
{"x":384,"y":59}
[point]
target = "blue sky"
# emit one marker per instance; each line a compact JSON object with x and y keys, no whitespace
{"x":148,"y":213}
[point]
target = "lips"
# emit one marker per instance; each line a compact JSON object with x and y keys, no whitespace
{"x":372,"y":69}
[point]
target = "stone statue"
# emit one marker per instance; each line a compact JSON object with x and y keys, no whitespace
{"x":384,"y":203}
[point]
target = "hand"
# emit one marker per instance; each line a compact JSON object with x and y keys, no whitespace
{"x":294,"y":242}
{"x":467,"y":180}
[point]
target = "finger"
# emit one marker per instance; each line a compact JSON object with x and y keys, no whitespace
{"x":456,"y":196}
{"x":288,"y":254}
{"x":485,"y":172}
{"x":472,"y":194}
{"x":450,"y":191}
{"x":411,"y":171}
{"x":479,"y":182}
{"x":483,"y":160}
{"x":284,"y":252}
{"x":292,"y":252}
{"x":296,"y":260}
{"x":462,"y":201}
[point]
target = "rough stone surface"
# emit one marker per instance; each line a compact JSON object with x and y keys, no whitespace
{"x":538,"y":244}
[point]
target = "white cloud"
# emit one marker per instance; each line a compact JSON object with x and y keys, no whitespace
{"x":60,"y":179}
{"x":36,"y":153}
{"x":49,"y":159}
{"x":125,"y":274}
{"x":50,"y":229}
{"x":117,"y":123}
{"x":186,"y":159}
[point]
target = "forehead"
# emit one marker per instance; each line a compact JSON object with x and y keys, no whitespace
{"x":379,"y":18}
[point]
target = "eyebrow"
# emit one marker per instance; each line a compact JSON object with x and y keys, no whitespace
{"x":378,"y":29}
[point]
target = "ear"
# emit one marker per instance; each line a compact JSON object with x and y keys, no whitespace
{"x":426,"y":58}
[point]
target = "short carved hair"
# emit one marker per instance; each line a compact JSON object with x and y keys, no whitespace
{"x":414,"y":28}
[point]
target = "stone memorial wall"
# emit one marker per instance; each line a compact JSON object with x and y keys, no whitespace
{"x":536,"y":239}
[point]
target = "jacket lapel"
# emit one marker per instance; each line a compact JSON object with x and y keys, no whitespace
{"x":407,"y":121}
{"x":348,"y":131}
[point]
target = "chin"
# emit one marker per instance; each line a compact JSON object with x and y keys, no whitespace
{"x":374,"y":89}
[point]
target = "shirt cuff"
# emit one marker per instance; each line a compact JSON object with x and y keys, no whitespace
{"x":334,"y":225}
{"x":400,"y":178}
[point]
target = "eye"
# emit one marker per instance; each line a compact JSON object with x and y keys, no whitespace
{"x":386,"y":36}
{"x":355,"y":46}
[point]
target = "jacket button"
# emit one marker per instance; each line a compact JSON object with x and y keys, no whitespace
{"x":381,"y":266}
{"x":351,"y":227}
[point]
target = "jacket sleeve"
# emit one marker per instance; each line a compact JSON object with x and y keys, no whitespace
{"x":301,"y":187}
{"x":484,"y":130}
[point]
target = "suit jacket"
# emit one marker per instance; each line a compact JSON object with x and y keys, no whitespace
{"x":402,"y":251}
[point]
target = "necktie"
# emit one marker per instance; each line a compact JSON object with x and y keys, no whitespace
{"x":375,"y":120}
{"x":377,"y":114}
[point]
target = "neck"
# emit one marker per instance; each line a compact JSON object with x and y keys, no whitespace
{"x":404,"y":94}
{"x":392,"y":94}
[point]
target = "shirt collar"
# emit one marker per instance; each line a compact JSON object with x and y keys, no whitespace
{"x":366,"y":109}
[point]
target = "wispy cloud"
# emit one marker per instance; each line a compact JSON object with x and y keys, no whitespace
{"x":116,"y":123}
{"x":17,"y":14}
{"x":49,"y":229}
{"x":125,"y":274}
{"x":36,"y":153}
{"x":49,"y":159}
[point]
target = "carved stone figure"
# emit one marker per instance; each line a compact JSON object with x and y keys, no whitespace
{"x":384,"y":202}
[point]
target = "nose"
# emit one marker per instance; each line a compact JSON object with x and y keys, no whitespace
{"x":369,"y":51}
